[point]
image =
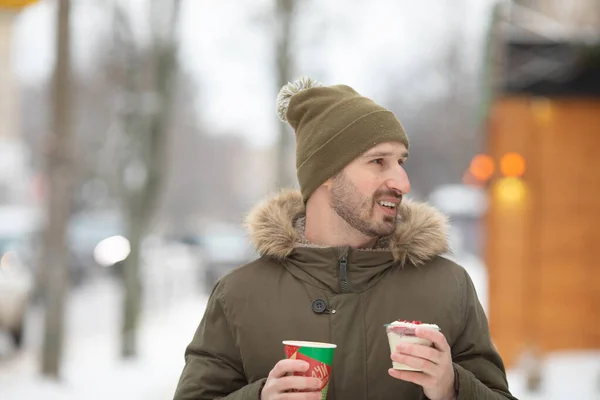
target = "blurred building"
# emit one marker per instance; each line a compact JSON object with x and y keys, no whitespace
{"x":15,"y":173}
{"x":543,"y":224}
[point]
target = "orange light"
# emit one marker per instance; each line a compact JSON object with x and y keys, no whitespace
{"x":542,"y":110}
{"x":512,"y":164}
{"x":482,"y":167}
{"x":16,"y":3}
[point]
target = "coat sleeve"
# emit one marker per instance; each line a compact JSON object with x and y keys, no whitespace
{"x":213,"y":366}
{"x":479,"y":369}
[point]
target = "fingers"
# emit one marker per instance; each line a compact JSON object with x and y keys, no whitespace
{"x":417,"y":378}
{"x":285,"y":367}
{"x":283,"y":384}
{"x":301,"y":383}
{"x":420,"y":351}
{"x":300,"y":396}
{"x":434,"y":336}
{"x":420,"y":364}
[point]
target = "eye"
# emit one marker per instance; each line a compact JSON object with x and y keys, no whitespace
{"x":401,"y":161}
{"x":377,"y":161}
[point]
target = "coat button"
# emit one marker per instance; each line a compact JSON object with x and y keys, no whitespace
{"x":319,"y":306}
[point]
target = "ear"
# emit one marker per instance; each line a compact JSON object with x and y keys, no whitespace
{"x":328,"y":183}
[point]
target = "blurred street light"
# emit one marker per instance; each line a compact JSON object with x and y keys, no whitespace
{"x":482,"y":167}
{"x":542,"y":110}
{"x":510,"y":191}
{"x":112,"y":250}
{"x":512,"y":165}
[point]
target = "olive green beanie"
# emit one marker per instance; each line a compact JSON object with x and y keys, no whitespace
{"x":333,"y":126}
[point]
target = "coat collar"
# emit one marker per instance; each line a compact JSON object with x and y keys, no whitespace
{"x":421,"y":232}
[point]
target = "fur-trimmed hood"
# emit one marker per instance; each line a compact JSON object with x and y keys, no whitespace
{"x":421,"y":233}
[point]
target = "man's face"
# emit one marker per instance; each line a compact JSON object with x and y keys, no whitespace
{"x":367,"y":192}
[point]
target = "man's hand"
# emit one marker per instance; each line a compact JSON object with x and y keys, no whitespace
{"x":437,"y":378}
{"x":279,"y":383}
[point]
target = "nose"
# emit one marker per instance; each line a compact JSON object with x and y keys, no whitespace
{"x":398,"y":180}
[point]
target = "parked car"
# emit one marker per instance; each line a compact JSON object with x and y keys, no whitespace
{"x":91,"y":235}
{"x":224,"y":248}
{"x":19,"y":225}
{"x":16,"y":285}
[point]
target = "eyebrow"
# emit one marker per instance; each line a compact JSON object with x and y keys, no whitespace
{"x":384,"y":154}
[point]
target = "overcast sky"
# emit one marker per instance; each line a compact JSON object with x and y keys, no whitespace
{"x":226,"y":46}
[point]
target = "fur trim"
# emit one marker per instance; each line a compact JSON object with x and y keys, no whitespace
{"x":285,"y":94}
{"x":421,"y":233}
{"x":271,"y":224}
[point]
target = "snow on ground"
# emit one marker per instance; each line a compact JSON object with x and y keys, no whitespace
{"x":93,"y":369}
{"x":573,"y":375}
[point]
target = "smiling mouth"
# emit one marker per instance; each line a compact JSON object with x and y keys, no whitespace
{"x":387,"y":204}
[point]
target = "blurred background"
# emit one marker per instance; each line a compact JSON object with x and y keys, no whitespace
{"x":136,"y":134}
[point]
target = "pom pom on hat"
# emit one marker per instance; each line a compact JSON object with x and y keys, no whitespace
{"x":285,"y":94}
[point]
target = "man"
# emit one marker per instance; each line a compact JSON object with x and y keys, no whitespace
{"x":350,"y":240}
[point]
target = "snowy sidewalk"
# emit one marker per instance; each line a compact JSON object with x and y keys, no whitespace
{"x":565,"y":376}
{"x":93,"y":370}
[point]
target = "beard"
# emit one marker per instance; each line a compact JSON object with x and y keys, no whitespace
{"x":358,"y":210}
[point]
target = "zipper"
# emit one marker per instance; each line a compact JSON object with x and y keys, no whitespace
{"x":344,"y":284}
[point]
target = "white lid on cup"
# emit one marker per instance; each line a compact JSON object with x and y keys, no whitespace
{"x":319,"y":345}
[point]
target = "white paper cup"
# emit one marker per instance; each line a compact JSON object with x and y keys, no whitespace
{"x":398,"y":334}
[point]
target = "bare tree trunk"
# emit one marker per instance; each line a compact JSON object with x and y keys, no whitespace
{"x":59,"y":201}
{"x":284,"y":21}
{"x":457,"y":132}
{"x":148,"y":128}
{"x":131,"y":278}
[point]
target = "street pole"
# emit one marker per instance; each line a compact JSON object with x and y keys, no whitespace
{"x":284,"y":64}
{"x":60,"y":187}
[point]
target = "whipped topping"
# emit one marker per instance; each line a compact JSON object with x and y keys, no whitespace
{"x":414,"y":324}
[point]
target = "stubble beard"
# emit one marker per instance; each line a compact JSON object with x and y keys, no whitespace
{"x":359,"y":210}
